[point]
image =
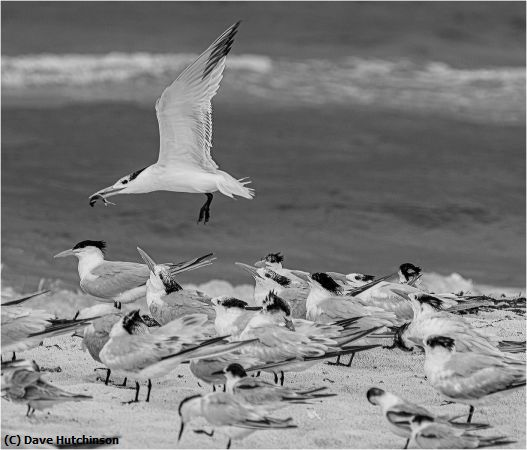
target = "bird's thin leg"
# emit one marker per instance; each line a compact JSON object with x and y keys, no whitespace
{"x":28,"y":409}
{"x":275,"y":378}
{"x":107,"y":377}
{"x":336,"y":363}
{"x":257,"y":374}
{"x":136,"y":394}
{"x":281,"y":378}
{"x":204,"y":212}
{"x":14,"y":356}
{"x":229,"y":443}
{"x":407,"y":442}
{"x":470,"y":414}
{"x":351,"y":360}
{"x":124,"y":382}
{"x":149,"y":389}
{"x":213,"y":388}
{"x":224,"y":388}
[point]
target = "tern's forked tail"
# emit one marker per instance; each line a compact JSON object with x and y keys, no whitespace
{"x":230,"y":186}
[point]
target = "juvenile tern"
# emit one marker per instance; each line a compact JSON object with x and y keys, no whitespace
{"x":428,"y":433}
{"x":399,"y":413}
{"x":166,"y":298}
{"x":113,"y":281}
{"x":234,"y":417}
{"x":22,"y":383}
{"x":473,"y":377}
{"x":184,"y":113}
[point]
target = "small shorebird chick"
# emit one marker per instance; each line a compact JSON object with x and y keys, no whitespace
{"x":22,"y":383}
{"x":399,"y":413}
{"x":474,"y":377}
{"x":230,"y":414}
{"x":428,"y":433}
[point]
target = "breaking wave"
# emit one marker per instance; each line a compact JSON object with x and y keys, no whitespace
{"x":484,"y":94}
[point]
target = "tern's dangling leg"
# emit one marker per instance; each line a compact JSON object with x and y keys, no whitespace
{"x":204,"y":212}
{"x":124,"y":382}
{"x":229,"y":443}
{"x":281,"y":378}
{"x":407,"y":442}
{"x":149,"y":389}
{"x":470,"y":414}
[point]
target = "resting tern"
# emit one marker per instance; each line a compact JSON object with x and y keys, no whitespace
{"x":428,"y":433}
{"x":429,"y":318}
{"x":473,"y":377}
{"x":24,"y":328}
{"x":113,"y":281}
{"x":166,"y":299}
{"x":399,"y":413}
{"x":301,"y":343}
{"x":184,"y":113}
{"x":97,"y":334}
{"x":267,"y":280}
{"x":155,"y":354}
{"x":260,"y":393}
{"x":232,"y":315}
{"x":327,"y":303}
{"x":274,"y":262}
{"x":22,"y":383}
{"x":236,"y":418}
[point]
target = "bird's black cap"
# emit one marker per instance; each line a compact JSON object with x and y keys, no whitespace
{"x":274,"y":258}
{"x":409,"y":270}
{"x":101,"y":245}
{"x":374,"y":392}
{"x":232,"y":302}
{"x":132,"y":320}
{"x":274,"y":303}
{"x":237,"y":370}
{"x":326,"y":282}
{"x":442,"y":341}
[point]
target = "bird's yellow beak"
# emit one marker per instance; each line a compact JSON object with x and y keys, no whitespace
{"x":103,"y":194}
{"x":148,"y":261}
{"x":249,"y":269}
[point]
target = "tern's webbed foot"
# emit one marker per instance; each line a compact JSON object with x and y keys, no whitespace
{"x":204,"y":212}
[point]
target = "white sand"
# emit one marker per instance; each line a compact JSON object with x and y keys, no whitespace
{"x":347,"y":420}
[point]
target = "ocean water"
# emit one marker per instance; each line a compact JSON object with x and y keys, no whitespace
{"x":392,"y":140}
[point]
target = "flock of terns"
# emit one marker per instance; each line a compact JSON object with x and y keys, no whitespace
{"x":295,"y":321}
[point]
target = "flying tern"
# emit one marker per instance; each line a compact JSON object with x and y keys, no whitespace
{"x":399,"y":413}
{"x":473,"y":377}
{"x":184,"y":113}
{"x":155,"y":354}
{"x":113,"y":281}
{"x":234,"y":417}
{"x":166,"y":298}
{"x":428,"y":433}
{"x":22,"y":383}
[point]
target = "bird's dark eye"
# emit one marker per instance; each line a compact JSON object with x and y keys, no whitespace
{"x":124,"y":181}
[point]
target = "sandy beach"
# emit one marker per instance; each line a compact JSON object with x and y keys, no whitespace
{"x":344,"y":421}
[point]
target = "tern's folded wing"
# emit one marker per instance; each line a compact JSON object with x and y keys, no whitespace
{"x":184,"y":110}
{"x":112,"y":278}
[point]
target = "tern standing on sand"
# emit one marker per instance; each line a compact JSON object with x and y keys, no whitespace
{"x":184,"y":113}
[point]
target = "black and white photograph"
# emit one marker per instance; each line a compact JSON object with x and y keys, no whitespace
{"x":263,"y":224}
